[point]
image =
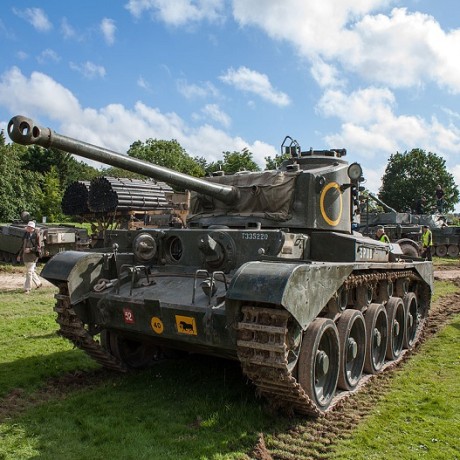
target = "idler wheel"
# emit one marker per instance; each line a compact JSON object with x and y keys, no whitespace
{"x":377,"y":337}
{"x":396,"y":327}
{"x":319,"y":361}
{"x":352,"y":334}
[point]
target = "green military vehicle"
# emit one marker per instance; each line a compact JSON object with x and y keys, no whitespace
{"x":268,"y":272}
{"x":54,"y":238}
{"x":405,"y":228}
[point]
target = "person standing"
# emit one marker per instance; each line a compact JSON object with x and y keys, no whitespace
{"x":382,"y":236}
{"x":30,"y":252}
{"x":420,"y":205}
{"x":439,"y":194}
{"x":427,"y":242}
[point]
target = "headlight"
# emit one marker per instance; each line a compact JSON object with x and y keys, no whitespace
{"x":355,"y":171}
{"x":144,"y":247}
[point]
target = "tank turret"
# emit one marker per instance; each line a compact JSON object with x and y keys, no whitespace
{"x":312,"y":190}
{"x":268,"y":272}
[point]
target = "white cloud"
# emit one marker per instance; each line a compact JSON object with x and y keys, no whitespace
{"x":451,"y":113}
{"x":6,"y":31}
{"x":48,"y":55}
{"x":257,"y":83}
{"x":36,"y":17}
{"x":66,"y":29}
{"x":36,"y":95}
{"x":373,"y":177}
{"x":178,"y":12}
{"x":326,"y":75}
{"x":456,"y":173}
{"x":214,"y":112}
{"x":401,"y":49}
{"x":361,"y":106}
{"x":143,"y":83}
{"x":22,"y":55}
{"x":114,"y":126}
{"x":193,"y":91}
{"x":108,"y":30}
{"x":89,"y":69}
{"x":371,"y":127}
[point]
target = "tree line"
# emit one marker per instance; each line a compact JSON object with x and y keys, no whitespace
{"x":34,"y":179}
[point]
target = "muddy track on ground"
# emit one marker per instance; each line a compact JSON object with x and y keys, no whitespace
{"x":316,"y":438}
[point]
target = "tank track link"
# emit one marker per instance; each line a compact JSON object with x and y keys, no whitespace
{"x":264,"y":356}
{"x":72,"y":328}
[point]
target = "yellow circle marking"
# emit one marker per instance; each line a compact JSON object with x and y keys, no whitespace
{"x":331,"y":222}
{"x":157,"y":325}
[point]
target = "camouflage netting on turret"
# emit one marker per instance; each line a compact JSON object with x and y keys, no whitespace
{"x":268,"y":194}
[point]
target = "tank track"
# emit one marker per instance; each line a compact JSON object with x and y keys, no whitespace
{"x":72,"y":328}
{"x":264,"y":357}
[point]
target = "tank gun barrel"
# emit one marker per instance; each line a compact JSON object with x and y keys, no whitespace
{"x":381,"y":203}
{"x":23,"y":130}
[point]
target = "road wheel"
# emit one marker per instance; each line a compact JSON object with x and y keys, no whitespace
{"x":396,"y":327}
{"x":319,"y":361}
{"x":412,"y":320}
{"x":352,"y":335}
{"x":377,"y":338}
{"x":441,"y":250}
{"x":452,"y":250}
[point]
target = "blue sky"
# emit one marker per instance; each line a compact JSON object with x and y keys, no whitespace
{"x":372,"y":76}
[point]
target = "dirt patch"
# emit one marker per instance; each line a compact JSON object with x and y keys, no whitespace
{"x":18,"y":401}
{"x":447,"y":274}
{"x":15,"y":281}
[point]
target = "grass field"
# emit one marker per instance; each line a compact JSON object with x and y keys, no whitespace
{"x":55,"y":403}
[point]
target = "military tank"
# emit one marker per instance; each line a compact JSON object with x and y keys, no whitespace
{"x":405,"y":228}
{"x":268,"y":272}
{"x":400,"y":227}
{"x":54,"y":238}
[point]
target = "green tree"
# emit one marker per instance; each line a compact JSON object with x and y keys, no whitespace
{"x":69,"y":170}
{"x":169,"y":154}
{"x":19,"y":187}
{"x":234,"y":162}
{"x":51,"y":196}
{"x":274,"y":163}
{"x":411,"y":175}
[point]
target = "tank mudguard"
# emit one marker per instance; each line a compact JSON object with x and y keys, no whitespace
{"x":302,"y":289}
{"x":79,"y":269}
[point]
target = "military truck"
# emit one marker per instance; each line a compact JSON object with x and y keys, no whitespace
{"x":268,"y":272}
